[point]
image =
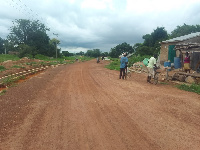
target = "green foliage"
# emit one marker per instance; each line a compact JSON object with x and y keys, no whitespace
{"x":144,"y":50}
{"x":26,"y":51}
{"x":4,"y":57}
{"x":93,"y":53}
{"x":119,"y":49}
{"x":31,"y":39}
{"x":114,"y":64}
{"x":2,"y":68}
{"x":133,"y":59}
{"x":184,"y":29}
{"x":191,"y":88}
{"x":2,"y":92}
{"x":105,"y":54}
{"x":80,"y":53}
{"x":2,"y":50}
{"x":9,"y":81}
{"x":67,"y":54}
{"x":42,"y":57}
{"x":151,"y":42}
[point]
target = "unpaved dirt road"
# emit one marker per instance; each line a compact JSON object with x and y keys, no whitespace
{"x":84,"y":106}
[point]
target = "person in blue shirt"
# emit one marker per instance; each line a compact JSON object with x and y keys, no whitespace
{"x":123,"y":65}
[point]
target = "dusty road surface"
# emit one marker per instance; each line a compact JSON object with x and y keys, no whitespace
{"x":84,"y":106}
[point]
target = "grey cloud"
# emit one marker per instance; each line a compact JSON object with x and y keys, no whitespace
{"x":96,"y":28}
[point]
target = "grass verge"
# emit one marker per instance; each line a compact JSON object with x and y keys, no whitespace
{"x":191,"y":88}
{"x":114,"y":64}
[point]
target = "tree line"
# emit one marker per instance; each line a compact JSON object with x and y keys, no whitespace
{"x":151,"y":44}
{"x":29,"y":38}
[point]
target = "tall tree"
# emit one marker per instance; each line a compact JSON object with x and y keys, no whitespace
{"x":151,"y":42}
{"x":156,"y":36}
{"x":31,"y":33}
{"x":1,"y":46}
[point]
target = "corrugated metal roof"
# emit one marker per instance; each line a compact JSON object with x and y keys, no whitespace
{"x":182,"y":38}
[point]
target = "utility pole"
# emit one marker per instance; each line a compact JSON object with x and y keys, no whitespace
{"x":4,"y":47}
{"x":56,"y":45}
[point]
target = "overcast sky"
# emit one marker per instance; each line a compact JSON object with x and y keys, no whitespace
{"x":102,"y":24}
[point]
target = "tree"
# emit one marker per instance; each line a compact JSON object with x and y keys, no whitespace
{"x":33,"y":35}
{"x":148,"y":40}
{"x":144,"y":50}
{"x":54,"y":43}
{"x":119,"y":49}
{"x":151,"y":43}
{"x":159,"y":35}
{"x":93,"y":53}
{"x":156,"y":36}
{"x":1,"y":46}
{"x":80,"y":53}
{"x":67,"y":54}
{"x":105,"y":54}
{"x":184,"y":29}
{"x":96,"y":53}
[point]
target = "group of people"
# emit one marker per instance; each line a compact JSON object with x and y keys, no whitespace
{"x":150,"y":67}
{"x":124,"y":63}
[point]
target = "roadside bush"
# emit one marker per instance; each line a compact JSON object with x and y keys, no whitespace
{"x":133,"y":59}
{"x":114,"y":64}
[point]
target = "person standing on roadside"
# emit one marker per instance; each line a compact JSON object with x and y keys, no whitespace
{"x":187,"y":62}
{"x":123,"y":64}
{"x":150,"y":67}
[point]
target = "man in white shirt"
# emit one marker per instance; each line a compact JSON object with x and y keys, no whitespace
{"x":150,"y":67}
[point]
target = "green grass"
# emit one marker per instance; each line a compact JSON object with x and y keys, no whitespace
{"x":4,"y":57}
{"x":2,"y":92}
{"x":2,"y":68}
{"x":191,"y":88}
{"x":9,"y":81}
{"x":114,"y":64}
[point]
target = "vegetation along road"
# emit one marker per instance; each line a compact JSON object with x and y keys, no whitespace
{"x":84,"y":106}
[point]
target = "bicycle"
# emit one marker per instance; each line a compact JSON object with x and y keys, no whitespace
{"x":127,"y":73}
{"x":154,"y":80}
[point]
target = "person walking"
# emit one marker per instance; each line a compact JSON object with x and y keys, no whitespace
{"x":150,"y":67}
{"x":123,"y":64}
